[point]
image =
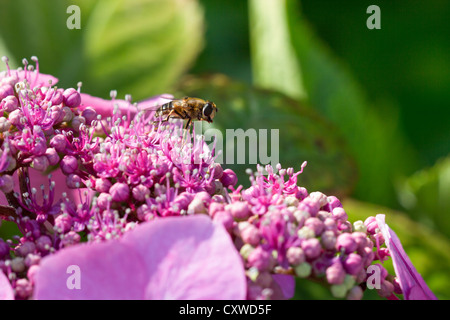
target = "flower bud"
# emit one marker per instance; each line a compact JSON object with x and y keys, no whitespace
{"x":140,"y":192}
{"x":4,"y":249}
{"x":332,"y":202}
{"x":77,"y":121}
{"x":260,"y":259}
{"x":102,"y":185}
{"x":312,"y":248}
{"x":229,"y":178}
{"x":63,"y":223}
{"x":371,"y":225}
{"x":249,"y":233}
{"x":215,"y":207}
{"x":9,"y":104}
{"x":6,"y":90}
{"x":225,"y":219}
{"x":315,"y":224}
{"x":120,"y":192}
{"x":335,"y":273}
{"x":18,"y":264}
{"x":59,"y":143}
{"x":44,"y":244}
{"x":239,"y":210}
{"x":72,"y":98}
{"x":40,"y":163}
{"x":5,"y":125}
{"x":196,"y":206}
{"x":69,"y":164}
{"x":23,"y":288}
{"x":339,"y":214}
{"x":328,"y":240}
{"x":303,"y":270}
{"x":68,"y":114}
{"x":52,"y":156}
{"x":295,"y":256}
{"x":353,"y":263}
{"x":15,"y":116}
{"x":6,"y":183}
{"x":89,"y":114}
{"x":346,"y":243}
{"x":74,"y":181}
{"x":218,"y":171}
{"x":70,"y":238}
{"x":355,"y":293}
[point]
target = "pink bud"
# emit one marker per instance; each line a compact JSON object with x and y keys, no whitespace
{"x":43,"y":243}
{"x":225,"y":219}
{"x":315,"y":224}
{"x":260,"y":259}
{"x":63,"y":223}
{"x":120,"y":192}
{"x":249,"y":233}
{"x":69,"y":164}
{"x":10,"y":103}
{"x":295,"y":256}
{"x":239,"y":210}
{"x":346,"y":243}
{"x":52,"y":156}
{"x":335,"y":273}
{"x":102,"y":185}
{"x":312,"y":248}
{"x":140,"y":192}
{"x":72,"y":98}
{"x":74,"y":181}
{"x":89,"y":114}
{"x":59,"y":143}
{"x":229,"y":178}
{"x":40,"y":163}
{"x":6,"y":90}
{"x":353,"y":263}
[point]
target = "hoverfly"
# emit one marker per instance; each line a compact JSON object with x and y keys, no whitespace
{"x":188,"y":108}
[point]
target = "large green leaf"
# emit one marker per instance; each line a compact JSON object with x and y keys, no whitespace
{"x":303,"y":134}
{"x":141,"y":46}
{"x":426,"y":195}
{"x":39,"y":28}
{"x":274,"y":63}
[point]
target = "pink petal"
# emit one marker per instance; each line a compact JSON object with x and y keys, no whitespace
{"x":284,"y":285}
{"x":411,"y":282}
{"x":6,"y":291}
{"x":109,"y":271}
{"x":106,"y":107}
{"x":189,"y":258}
{"x":41,"y":79}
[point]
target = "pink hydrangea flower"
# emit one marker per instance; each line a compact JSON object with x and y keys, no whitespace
{"x":171,"y":258}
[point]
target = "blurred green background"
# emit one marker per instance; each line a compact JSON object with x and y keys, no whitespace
{"x":367,"y":109}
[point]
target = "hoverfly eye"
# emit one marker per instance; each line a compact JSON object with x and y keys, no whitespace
{"x":207,"y":110}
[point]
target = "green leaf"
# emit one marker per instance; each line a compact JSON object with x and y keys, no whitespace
{"x":274,"y":63}
{"x":303,"y":134}
{"x":428,"y":250}
{"x":38,"y":28}
{"x":426,"y":195}
{"x":141,"y":46}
